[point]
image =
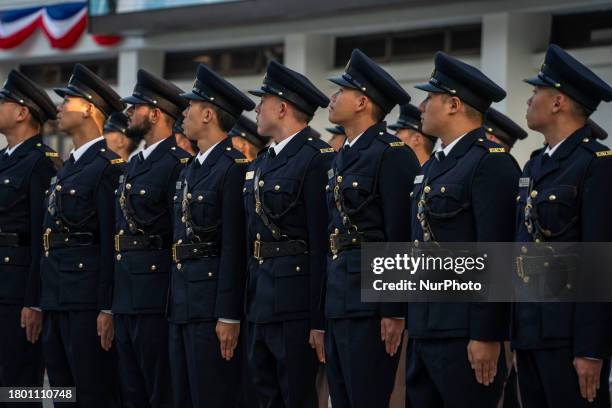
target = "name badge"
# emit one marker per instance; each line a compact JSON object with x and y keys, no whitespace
{"x":330,"y":173}
{"x":418,"y":179}
{"x":249,"y":175}
{"x":121,"y":178}
{"x":524,"y":182}
{"x":179,"y":184}
{"x":53,"y":179}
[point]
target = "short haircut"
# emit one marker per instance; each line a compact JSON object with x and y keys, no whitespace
{"x":300,"y":115}
{"x":226,"y":121}
{"x":377,"y":113}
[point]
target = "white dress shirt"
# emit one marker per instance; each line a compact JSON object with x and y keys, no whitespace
{"x":10,"y":150}
{"x":203,"y":155}
{"x":278,"y":147}
{"x":146,"y":152}
{"x":77,"y":153}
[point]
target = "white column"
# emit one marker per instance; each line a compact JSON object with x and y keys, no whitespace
{"x":129,"y":62}
{"x":509,"y":41}
{"x":312,"y":55}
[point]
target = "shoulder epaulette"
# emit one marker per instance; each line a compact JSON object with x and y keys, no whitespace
{"x":179,"y":154}
{"x":595,"y":147}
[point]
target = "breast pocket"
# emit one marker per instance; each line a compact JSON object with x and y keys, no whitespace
{"x":11,"y":192}
{"x":356,"y":190}
{"x":204,"y":208}
{"x":557,"y":209}
{"x":76,"y":203}
{"x":147,"y":203}
{"x":280,"y":194}
{"x":446,"y":201}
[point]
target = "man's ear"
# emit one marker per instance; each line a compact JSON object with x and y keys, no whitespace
{"x":454,"y":104}
{"x":361,"y":103}
{"x":283,"y":109}
{"x":207,"y":114}
{"x":22,"y":113}
{"x":88,"y":112}
{"x":559,"y":101}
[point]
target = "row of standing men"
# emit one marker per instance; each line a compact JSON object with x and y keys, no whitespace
{"x":202,"y":279}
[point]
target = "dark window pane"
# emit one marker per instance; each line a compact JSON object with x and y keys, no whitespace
{"x":418,"y":45}
{"x":582,"y":29}
{"x":413,"y":44}
{"x":235,"y":61}
{"x":466,"y":39}
{"x":372,"y":46}
{"x":56,"y":74}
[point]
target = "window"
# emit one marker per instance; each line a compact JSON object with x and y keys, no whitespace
{"x":227,"y":62}
{"x":582,"y":29}
{"x":414,"y":44}
{"x":49,"y":75}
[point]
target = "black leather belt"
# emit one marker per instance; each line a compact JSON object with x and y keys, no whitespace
{"x":339,"y":242}
{"x":9,"y":239}
{"x":263,"y":250}
{"x":138,"y":242}
{"x":180,"y":252}
{"x":528,"y":266}
{"x":53,"y":240}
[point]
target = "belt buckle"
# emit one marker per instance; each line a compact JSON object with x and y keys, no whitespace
{"x":520,"y":270}
{"x":117,"y":243}
{"x":257,"y":250}
{"x":332,"y":243}
{"x":46,"y":241}
{"x":174,"y":258}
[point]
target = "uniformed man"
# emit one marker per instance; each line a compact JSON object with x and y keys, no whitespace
{"x":116,"y":139}
{"x":182,"y":141}
{"x":465,"y":194}
{"x":77,"y":266}
{"x":563,"y":350}
{"x":246,"y":139}
{"x":143,"y":241}
{"x":207,"y":284}
{"x":408,"y":130}
{"x":367,"y":192}
{"x":502,"y":130}
{"x":338,"y":137}
{"x":26,"y":167}
{"x":505,"y":132}
{"x":286,"y":214}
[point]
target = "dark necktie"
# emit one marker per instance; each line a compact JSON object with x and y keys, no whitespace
{"x":271,"y":152}
{"x":440,"y":156}
{"x":140,"y":157}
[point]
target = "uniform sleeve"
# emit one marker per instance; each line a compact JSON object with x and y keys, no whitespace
{"x":232,"y":265}
{"x":40,"y":179}
{"x":494,"y":188}
{"x":593,"y":321}
{"x":106,"y":227}
{"x":398,"y":169}
{"x":316,"y":221}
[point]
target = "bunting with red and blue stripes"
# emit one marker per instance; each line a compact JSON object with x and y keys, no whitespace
{"x":63,"y":24}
